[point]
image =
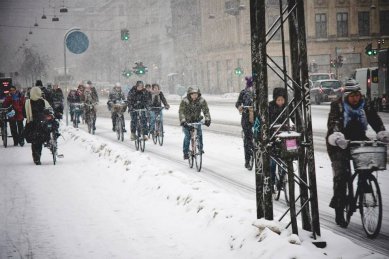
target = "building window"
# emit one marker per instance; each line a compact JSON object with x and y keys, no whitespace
{"x":384,"y":21}
{"x":364,"y":23}
{"x":342,"y":24}
{"x":321,"y":25}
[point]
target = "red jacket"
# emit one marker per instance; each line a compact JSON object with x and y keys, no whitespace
{"x":17,"y":100}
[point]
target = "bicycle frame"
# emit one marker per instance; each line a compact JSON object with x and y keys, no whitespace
{"x":139,"y":140}
{"x":158,"y":125}
{"x":195,"y":153}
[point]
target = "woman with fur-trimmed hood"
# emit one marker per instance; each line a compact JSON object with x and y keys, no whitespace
{"x":190,"y":111}
{"x":35,"y":107}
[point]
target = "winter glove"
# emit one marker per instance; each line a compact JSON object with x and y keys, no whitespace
{"x":167,"y":107}
{"x":184,"y":124}
{"x":337,"y":139}
{"x":383,"y":136}
{"x":207,"y":123}
{"x":11,"y":113}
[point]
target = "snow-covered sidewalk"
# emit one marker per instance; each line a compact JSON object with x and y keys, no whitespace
{"x":104,"y":200}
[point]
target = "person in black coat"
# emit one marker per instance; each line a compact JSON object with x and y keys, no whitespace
{"x":138,"y":98}
{"x":245,"y":106}
{"x":35,"y":111}
{"x":348,"y":119}
{"x":276,"y":106}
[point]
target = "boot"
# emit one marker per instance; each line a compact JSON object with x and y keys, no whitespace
{"x":339,"y":218}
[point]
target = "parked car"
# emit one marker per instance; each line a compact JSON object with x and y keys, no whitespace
{"x":321,"y":76}
{"x":326,"y":90}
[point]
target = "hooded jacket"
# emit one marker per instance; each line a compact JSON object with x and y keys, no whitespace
{"x":35,"y":105}
{"x":190,"y":110}
{"x":274,"y":109}
{"x":17,"y":100}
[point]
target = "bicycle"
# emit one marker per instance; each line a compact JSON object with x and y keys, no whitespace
{"x":119,"y":108}
{"x":368,"y":157}
{"x":51,"y":125}
{"x":139,"y":139}
{"x":158,"y":133}
{"x":281,"y":182}
{"x":4,"y":125}
{"x":77,"y":111}
{"x":195,"y":149}
{"x":90,"y":117}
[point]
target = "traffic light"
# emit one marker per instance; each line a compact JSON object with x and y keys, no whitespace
{"x":125,"y":34}
{"x":370,"y":51}
{"x":333,"y":63}
{"x":238,"y":71}
{"x":340,"y":61}
{"x":127,"y":73}
{"x":140,"y":69}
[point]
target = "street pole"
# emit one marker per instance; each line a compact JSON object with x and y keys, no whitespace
{"x":65,"y":73}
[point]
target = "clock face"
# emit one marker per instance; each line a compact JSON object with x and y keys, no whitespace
{"x":77,"y":42}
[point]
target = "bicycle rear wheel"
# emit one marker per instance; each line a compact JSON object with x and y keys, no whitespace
{"x":370,"y":206}
{"x":198,"y":156}
{"x":4,"y":134}
{"x":53,"y":147}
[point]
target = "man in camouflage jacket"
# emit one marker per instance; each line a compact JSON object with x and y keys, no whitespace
{"x":190,"y":111}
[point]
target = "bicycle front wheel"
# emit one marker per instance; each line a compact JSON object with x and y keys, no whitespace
{"x":160,"y":134}
{"x":370,"y":206}
{"x":118,"y":128}
{"x":198,"y":156}
{"x":141,"y":141}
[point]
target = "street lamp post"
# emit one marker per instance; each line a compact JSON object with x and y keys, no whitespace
{"x":65,"y":73}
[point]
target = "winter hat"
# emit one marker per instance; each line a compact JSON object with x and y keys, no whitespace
{"x":249,"y":81}
{"x":35,"y":93}
{"x":351,"y":89}
{"x":192,"y":90}
{"x":38,"y":83}
{"x":89,"y":82}
{"x":279,"y":91}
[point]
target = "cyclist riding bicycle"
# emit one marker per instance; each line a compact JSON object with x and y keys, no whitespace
{"x":116,"y":95}
{"x":348,"y":119}
{"x":90,"y":98}
{"x":138,"y":98}
{"x":157,"y":99}
{"x":73,"y":97}
{"x":245,"y":99}
{"x":190,"y":111}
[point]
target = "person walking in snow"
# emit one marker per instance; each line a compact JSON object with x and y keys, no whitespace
{"x":17,"y":101}
{"x":245,"y":106}
{"x":348,"y":119}
{"x":35,"y":111}
{"x":190,"y":111}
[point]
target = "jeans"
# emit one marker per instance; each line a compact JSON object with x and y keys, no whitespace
{"x":187,"y":138}
{"x":153,"y":116}
{"x":143,"y":121}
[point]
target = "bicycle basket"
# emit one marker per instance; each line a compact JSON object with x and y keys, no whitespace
{"x":119,"y":107}
{"x":289,"y":144}
{"x":368,"y":155}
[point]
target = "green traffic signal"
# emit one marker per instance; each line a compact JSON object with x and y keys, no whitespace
{"x":125,"y":34}
{"x":238,"y":71}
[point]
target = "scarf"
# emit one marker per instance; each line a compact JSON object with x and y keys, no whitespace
{"x":357,"y":113}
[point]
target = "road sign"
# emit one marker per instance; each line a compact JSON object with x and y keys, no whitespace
{"x":77,"y":42}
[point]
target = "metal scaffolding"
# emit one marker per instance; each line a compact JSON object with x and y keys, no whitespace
{"x":301,"y":166}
